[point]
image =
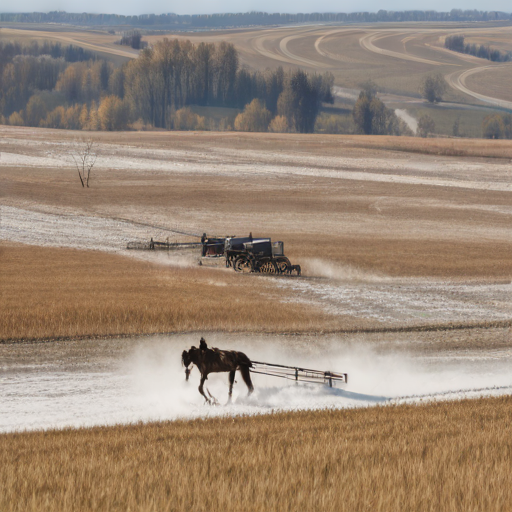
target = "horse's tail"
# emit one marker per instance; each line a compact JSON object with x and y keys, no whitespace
{"x":246,"y":375}
{"x":242,"y":359}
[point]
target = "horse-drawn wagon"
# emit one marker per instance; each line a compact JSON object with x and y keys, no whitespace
{"x":213,"y":360}
{"x":244,"y":254}
{"x":258,"y":255}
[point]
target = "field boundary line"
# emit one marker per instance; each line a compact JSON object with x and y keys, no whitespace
{"x":501,"y":324}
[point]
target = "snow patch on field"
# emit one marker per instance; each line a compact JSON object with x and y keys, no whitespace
{"x":405,"y":301}
{"x":66,"y":230}
{"x":423,"y":170}
{"x":130,"y":381}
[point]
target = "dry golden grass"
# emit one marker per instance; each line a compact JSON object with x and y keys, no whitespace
{"x":453,"y":456}
{"x":48,"y":293}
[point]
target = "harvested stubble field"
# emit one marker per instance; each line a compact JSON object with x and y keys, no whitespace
{"x":49,"y":293}
{"x":388,"y":219}
{"x":393,"y":234}
{"x":438,"y":457}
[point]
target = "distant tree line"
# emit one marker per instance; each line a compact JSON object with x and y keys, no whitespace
{"x":456,"y":43}
{"x":156,"y":89}
{"x":70,"y":53}
{"x":173,"y":74}
{"x":133,"y":39}
{"x":25,"y":69}
{"x":249,"y":18}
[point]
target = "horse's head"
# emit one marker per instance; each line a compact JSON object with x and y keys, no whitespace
{"x":189,"y":357}
{"x":186,"y":359}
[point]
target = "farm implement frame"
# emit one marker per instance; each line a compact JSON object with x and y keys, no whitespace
{"x":243,"y":254}
{"x":298,"y":374}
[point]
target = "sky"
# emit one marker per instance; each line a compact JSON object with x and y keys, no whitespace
{"x":131,"y":7}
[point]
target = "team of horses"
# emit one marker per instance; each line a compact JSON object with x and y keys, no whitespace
{"x":213,"y":360}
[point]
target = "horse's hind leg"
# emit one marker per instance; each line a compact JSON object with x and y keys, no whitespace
{"x":201,"y":389}
{"x":231,"y":382}
{"x":246,"y":375}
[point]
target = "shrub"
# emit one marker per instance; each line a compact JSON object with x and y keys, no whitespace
{"x":493,"y":127}
{"x":16,"y":119}
{"x":279,"y":125}
{"x":254,"y":118}
{"x":184,"y":119}
{"x":372,"y":117}
{"x":113,"y":113}
{"x":35,"y":111}
{"x":54,"y":119}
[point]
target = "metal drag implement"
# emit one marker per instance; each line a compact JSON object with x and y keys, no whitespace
{"x":298,"y":374}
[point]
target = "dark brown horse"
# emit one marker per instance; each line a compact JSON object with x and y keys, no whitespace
{"x":213,"y":360}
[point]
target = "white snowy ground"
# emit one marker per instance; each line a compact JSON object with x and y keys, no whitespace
{"x":344,"y":291}
{"x":101,"y":382}
{"x":417,"y":170}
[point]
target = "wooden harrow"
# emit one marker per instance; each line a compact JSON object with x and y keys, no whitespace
{"x":298,"y":374}
{"x":162,"y":246}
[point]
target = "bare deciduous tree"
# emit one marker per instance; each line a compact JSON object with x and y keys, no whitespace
{"x":84,"y":156}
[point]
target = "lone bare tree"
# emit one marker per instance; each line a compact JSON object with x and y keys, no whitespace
{"x":84,"y":156}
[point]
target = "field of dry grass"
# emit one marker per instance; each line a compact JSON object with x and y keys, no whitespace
{"x":236,"y":183}
{"x":48,"y":293}
{"x":447,"y":456}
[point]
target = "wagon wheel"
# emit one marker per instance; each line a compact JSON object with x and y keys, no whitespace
{"x":283,"y":265}
{"x":269,"y":267}
{"x":242,"y":264}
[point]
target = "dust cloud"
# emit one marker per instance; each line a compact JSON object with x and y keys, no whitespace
{"x":316,"y":267}
{"x":143,"y":380}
